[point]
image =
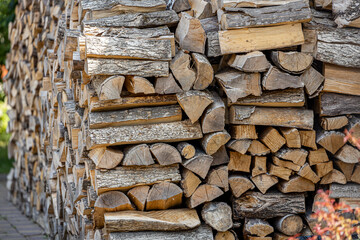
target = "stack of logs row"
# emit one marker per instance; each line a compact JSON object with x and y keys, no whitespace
{"x":182,"y":119}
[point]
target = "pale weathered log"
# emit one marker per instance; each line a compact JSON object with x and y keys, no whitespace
{"x":349,"y":190}
{"x":204,"y":71}
{"x":213,"y":44}
{"x":165,"y":154}
{"x":212,"y":142}
{"x":204,"y":193}
{"x":330,"y":140}
{"x":131,"y":33}
{"x":334,"y":176}
{"x":202,"y":9}
{"x":290,"y":224}
{"x":164,"y":195}
{"x":138,"y":196}
{"x":189,"y":182}
{"x":258,"y":149}
{"x":217,"y":215}
{"x":213,"y":119}
{"x":239,"y":162}
{"x":179,"y":5}
{"x":240,"y":184}
{"x":346,"y":13}
{"x":250,"y":62}
{"x":264,"y":182}
{"x":194,"y":103}
{"x":199,"y":164}
{"x":312,"y":80}
{"x":182,"y":70}
{"x":108,"y":88}
{"x":346,"y":168}
{"x":167,"y":85}
{"x":292,"y":62}
{"x":257,"y":227}
{"x":219,"y":177}
{"x":333,"y":104}
{"x":276,"y":79}
{"x":296,"y":184}
{"x":229,"y":4}
{"x":107,"y":158}
{"x":297,"y":156}
{"x":348,"y":154}
{"x":139,"y":85}
{"x":138,"y":155}
{"x":186,"y":150}
{"x":220,"y":157}
{"x":240,"y":146}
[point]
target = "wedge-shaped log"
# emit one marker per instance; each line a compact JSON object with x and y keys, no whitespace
{"x":108,"y":88}
{"x":297,"y":156}
{"x":334,"y":176}
{"x":346,"y":168}
{"x":334,"y":123}
{"x":241,"y":132}
{"x":167,"y":85}
{"x":160,"y":132}
{"x":240,"y":146}
{"x":204,"y":193}
{"x":258,"y":149}
{"x":285,"y":164}
{"x":247,"y":40}
{"x":165,"y":154}
{"x":239,"y":162}
{"x":213,"y":119}
{"x":138,"y":196}
{"x":333,"y":104}
{"x":281,"y":172}
{"x":270,"y":205}
{"x":257,"y":227}
{"x":251,"y":62}
{"x":106,"y":158}
{"x":283,"y":117}
{"x":312,"y":80}
{"x":292,"y":137}
{"x":220,"y":157}
{"x":165,"y":220}
{"x":219,"y":177}
{"x":199,"y":164}
{"x":230,"y":4}
{"x":308,"y":138}
{"x":259,"y":166}
{"x":194,"y":103}
{"x":240,"y":184}
{"x":275,"y":79}
{"x":139,"y":85}
{"x":189,"y":182}
{"x":138,"y":155}
{"x":322,"y":169}
{"x":183,"y":72}
{"x":330,"y":140}
{"x":217,"y":215}
{"x":212,"y":142}
{"x":308,"y":173}
{"x":296,"y":184}
{"x":124,"y":178}
{"x":204,"y":71}
{"x":348,"y":154}
{"x":264,"y":182}
{"x":292,"y":62}
{"x":318,"y":156}
{"x":272,"y":139}
{"x":164,"y":195}
{"x":355,"y":177}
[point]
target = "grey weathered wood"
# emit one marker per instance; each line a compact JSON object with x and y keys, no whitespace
{"x":217,"y":215}
{"x":91,"y":5}
{"x":230,"y":4}
{"x":138,"y":155}
{"x":250,"y":17}
{"x":183,"y":71}
{"x":333,"y":104}
{"x":142,"y":68}
{"x":199,"y":164}
{"x":124,"y":178}
{"x":178,"y":5}
{"x":212,"y":44}
{"x":167,"y":85}
{"x":159,"y":132}
{"x":213,"y":119}
{"x":165,"y":154}
{"x":133,"y":33}
{"x":276,"y":79}
{"x":250,"y":62}
{"x":116,"y":47}
{"x":347,"y":13}
{"x":349,"y":190}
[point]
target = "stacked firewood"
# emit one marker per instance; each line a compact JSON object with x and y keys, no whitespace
{"x":177,"y":119}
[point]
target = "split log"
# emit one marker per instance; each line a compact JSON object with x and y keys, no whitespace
{"x":189,"y":182}
{"x":250,"y":62}
{"x":204,"y":193}
{"x":240,"y":146}
{"x":194,"y":103}
{"x":332,"y":141}
{"x":124,"y":178}
{"x":292,"y":137}
{"x":317,"y":156}
{"x":219,"y":177}
{"x":217,"y":215}
{"x":258,"y":149}
{"x":346,"y":168}
{"x":272,"y":139}
{"x":308,"y":173}
{"x":281,"y":172}
{"x":308,"y":138}
{"x":182,"y":70}
{"x":356,"y":175}
{"x":165,"y":220}
{"x":199,"y":164}
{"x":241,"y":132}
{"x":348,"y":154}
{"x":167,"y":85}
{"x":349,"y":190}
{"x":213,"y":44}
{"x":228,"y":235}
{"x":285,"y":164}
{"x":276,"y":79}
{"x":204,"y":71}
{"x":164,"y":195}
{"x":190,"y":34}
{"x":312,"y":80}
{"x":346,"y":14}
{"x":239,"y":162}
{"x":138,"y":155}
{"x":165,"y":154}
{"x":108,"y":88}
{"x":292,"y":62}
{"x":106,"y":158}
{"x":296,"y":184}
{"x":290,"y":224}
{"x":139,"y":85}
{"x":179,"y":5}
{"x":264,"y":182}
{"x":130,"y":33}
{"x":220,"y":157}
{"x":259,"y":166}
{"x":270,"y":205}
{"x":334,"y":176}
{"x":186,"y":150}
{"x":211,"y":142}
{"x":239,"y":184}
{"x":283,"y":117}
{"x":323,"y":168}
{"x":213,"y":119}
{"x":138,"y":196}
{"x":333,"y":123}
{"x":247,"y":40}
{"x":257,"y":227}
{"x":297,"y":156}
{"x":257,"y":238}
{"x":230,"y":4}
{"x":238,"y":84}
{"x":333,"y":104}
{"x":202,"y":9}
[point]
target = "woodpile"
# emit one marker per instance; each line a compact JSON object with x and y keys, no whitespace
{"x":189,"y":119}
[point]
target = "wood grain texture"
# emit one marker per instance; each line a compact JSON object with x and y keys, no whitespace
{"x":333,"y":104}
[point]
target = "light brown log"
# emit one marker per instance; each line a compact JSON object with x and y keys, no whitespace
{"x":220,"y":157}
{"x":204,"y":71}
{"x":286,"y":164}
{"x":308,"y":173}
{"x":138,"y":155}
{"x":332,"y":141}
{"x":296,"y":184}
{"x":107,"y":158}
{"x":323,"y":168}
{"x":334,"y":176}
{"x":204,"y":193}
{"x":182,"y":69}
{"x":228,"y":235}
{"x":165,"y":220}
{"x":108,"y":88}
{"x":202,"y":8}
{"x":164,"y":195}
{"x":139,"y":85}
{"x":264,"y":182}
{"x":189,"y":182}
{"x":239,"y":162}
{"x":250,"y":62}
{"x":186,"y":150}
{"x":240,"y":146}
{"x":259,"y":166}
{"x":217,"y":215}
{"x":310,"y":36}
{"x":292,"y":62}
{"x":292,"y":137}
{"x":257,"y":227}
{"x":199,"y":164}
{"x":258,"y":149}
{"x":190,"y":34}
{"x":308,"y":138}
{"x":346,"y":168}
{"x":333,"y":123}
{"x":272,"y":139}
{"x":167,"y":85}
{"x":280,"y":172}
{"x":219,"y":177}
{"x":239,"y":184}
{"x":194,"y":103}
{"x":290,"y":224}
{"x":240,"y":132}
{"x":348,"y":154}
{"x":165,"y":154}
{"x":213,"y":119}
{"x":138,"y":196}
{"x":355,"y":177}
{"x":213,"y":141}
{"x":276,"y":79}
{"x":248,"y":237}
{"x":312,"y":80}
{"x":317,"y":156}
{"x":297,"y":156}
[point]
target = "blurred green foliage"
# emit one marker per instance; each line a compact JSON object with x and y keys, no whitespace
{"x":7,"y":15}
{"x":5,"y":162}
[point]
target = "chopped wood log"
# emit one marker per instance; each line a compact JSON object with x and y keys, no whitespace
{"x":348,"y":154}
{"x":238,"y":84}
{"x":346,"y":168}
{"x":165,"y":154}
{"x":312,"y":80}
{"x":332,"y":141}
{"x":308,"y":173}
{"x":324,"y":4}
{"x":135,"y":116}
{"x":310,"y":36}
{"x":286,"y":164}
{"x":241,"y":132}
{"x":108,"y":88}
{"x":240,"y":146}
{"x":239,"y":162}
{"x":323,"y":168}
{"x":182,"y":70}
{"x":211,"y":142}
{"x":258,"y":149}
{"x":257,"y":227}
{"x":333,"y":104}
{"x":356,"y":175}
{"x":346,"y":14}
{"x":213,"y":119}
{"x":247,"y":40}
{"x":130,"y":33}
{"x":292,"y":137}
{"x":292,"y":62}
{"x":138,"y":155}
{"x":164,"y":195}
{"x":189,"y":182}
{"x":202,"y":9}
{"x":352,"y":202}
{"x":228,"y":235}
{"x":199,"y":164}
{"x":281,"y":172}
{"x":257,"y":238}
{"x":220,"y":157}
{"x":190,"y":34}
{"x":179,"y":5}
{"x":230,"y":4}
{"x":106,"y":158}
{"x":138,"y":196}
{"x":160,"y":132}
{"x":318,"y":156}
{"x":124,"y":178}
{"x":308,"y":138}
{"x":334,"y":176}
{"x":290,"y":224}
{"x":202,"y":232}
{"x":349,"y":190}
{"x":276,"y":79}
{"x":334,"y":123}
{"x":296,"y":184}
{"x":219,"y":177}
{"x":259,"y":166}
{"x":213,"y":44}
{"x":167,"y":85}
{"x":270,"y":205}
{"x":217,"y":215}
{"x":186,"y":150}
{"x":204,"y":71}
{"x":272,"y":139}
{"x":141,"y":68}
{"x":204,"y":193}
{"x":194,"y":103}
{"x":239,"y":184}
{"x":164,"y":220}
{"x":283,"y":117}
{"x":297,"y":156}
{"x":264,"y":182}
{"x":139,"y":85}
{"x":250,"y":62}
